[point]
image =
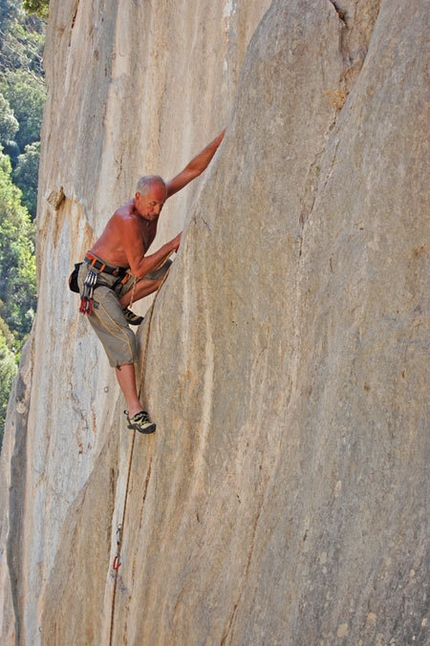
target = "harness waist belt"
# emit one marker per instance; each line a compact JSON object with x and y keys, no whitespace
{"x":102,"y":267}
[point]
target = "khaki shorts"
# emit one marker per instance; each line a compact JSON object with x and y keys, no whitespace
{"x":107,"y":318}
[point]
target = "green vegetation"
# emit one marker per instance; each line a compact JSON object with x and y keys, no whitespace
{"x":22,"y":97}
{"x":40,"y":7}
{"x":17,"y":280}
{"x":25,"y":94}
{"x":8,"y":369}
{"x":17,"y":260}
{"x":22,"y":94}
{"x":25,"y":175}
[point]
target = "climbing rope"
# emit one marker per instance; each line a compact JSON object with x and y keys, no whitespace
{"x":117,"y":559}
{"x":116,"y":564}
{"x":130,"y":305}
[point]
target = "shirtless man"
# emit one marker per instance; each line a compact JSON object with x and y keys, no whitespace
{"x":118,"y":271}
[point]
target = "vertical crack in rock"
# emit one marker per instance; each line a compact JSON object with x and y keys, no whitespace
{"x":72,"y":23}
{"x":358,"y":18}
{"x":339,"y":11}
{"x":310,"y":192}
{"x":17,"y":495}
{"x":353,"y":45}
{"x":119,"y":582}
{"x":244,"y":578}
{"x":145,"y":490}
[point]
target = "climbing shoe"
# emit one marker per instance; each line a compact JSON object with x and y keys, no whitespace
{"x":131,"y":317}
{"x":140,"y":422}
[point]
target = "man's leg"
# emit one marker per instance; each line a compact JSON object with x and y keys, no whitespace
{"x":137,"y":418}
{"x":127,"y":382}
{"x":143,"y":288}
{"x":146,"y":285}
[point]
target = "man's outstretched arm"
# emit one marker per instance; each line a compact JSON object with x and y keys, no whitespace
{"x":195,"y":167}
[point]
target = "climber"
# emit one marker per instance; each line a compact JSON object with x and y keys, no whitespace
{"x":119,"y":269}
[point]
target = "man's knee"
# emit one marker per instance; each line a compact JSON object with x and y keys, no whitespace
{"x":118,"y":341}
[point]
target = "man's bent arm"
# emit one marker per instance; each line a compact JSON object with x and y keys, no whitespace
{"x":146,"y":264}
{"x":196,"y":166}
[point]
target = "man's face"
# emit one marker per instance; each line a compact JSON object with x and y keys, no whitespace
{"x":149,"y":206}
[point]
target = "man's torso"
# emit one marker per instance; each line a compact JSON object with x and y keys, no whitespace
{"x":110,"y":247}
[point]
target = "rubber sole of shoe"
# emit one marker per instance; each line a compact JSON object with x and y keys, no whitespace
{"x":146,"y":430}
{"x":132,"y":318}
{"x":144,"y":426}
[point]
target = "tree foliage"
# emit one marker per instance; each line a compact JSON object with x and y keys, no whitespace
{"x":9,"y":10}
{"x":25,"y":176}
{"x":26,"y":96}
{"x":17,"y":259}
{"x":8,"y":370}
{"x":22,"y":85}
{"x":8,"y":122}
{"x":17,"y":281}
{"x":40,"y":7}
{"x":22,"y":97}
{"x":22,"y":38}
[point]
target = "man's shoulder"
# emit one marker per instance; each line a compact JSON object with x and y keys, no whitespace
{"x":125,"y":212}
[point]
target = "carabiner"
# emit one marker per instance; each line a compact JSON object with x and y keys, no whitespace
{"x":116,"y":562}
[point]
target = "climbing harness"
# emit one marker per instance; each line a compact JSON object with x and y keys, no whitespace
{"x":97,"y":267}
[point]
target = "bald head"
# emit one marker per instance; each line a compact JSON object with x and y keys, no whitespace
{"x":151,"y":193}
{"x":147,"y":182}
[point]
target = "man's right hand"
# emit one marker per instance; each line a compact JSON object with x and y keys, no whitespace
{"x":176,"y":242}
{"x":195,"y":167}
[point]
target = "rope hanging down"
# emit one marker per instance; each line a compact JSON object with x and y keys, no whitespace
{"x":116,"y":564}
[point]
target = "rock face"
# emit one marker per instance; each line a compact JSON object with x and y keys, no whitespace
{"x":284,"y":496}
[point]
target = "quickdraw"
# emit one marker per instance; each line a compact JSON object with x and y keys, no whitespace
{"x":87,"y":297}
{"x":117,"y":559}
{"x":116,"y":563}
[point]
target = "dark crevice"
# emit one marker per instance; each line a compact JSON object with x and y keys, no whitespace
{"x":245,"y":577}
{"x":340,"y":13}
{"x":72,"y":24}
{"x":354,"y":40}
{"x":74,"y":15}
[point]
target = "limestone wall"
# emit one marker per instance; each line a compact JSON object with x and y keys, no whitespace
{"x":284,"y":496}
